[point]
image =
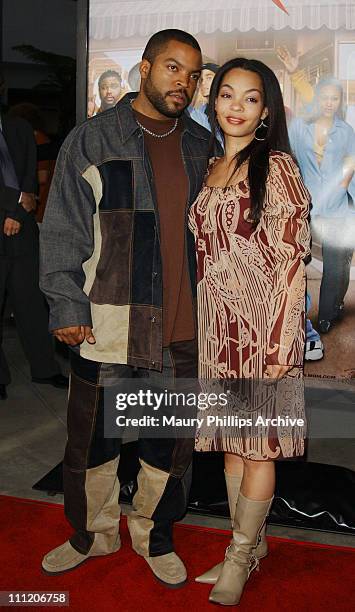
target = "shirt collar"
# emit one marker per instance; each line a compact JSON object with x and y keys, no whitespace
{"x":128,"y":125}
{"x":337,"y":122}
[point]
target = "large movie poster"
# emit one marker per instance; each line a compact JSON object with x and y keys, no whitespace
{"x":310,"y":45}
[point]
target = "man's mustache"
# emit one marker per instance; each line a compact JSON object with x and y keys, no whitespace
{"x":179,"y":92}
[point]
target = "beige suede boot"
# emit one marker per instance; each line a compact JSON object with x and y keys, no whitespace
{"x":240,"y":558}
{"x":168,"y":568}
{"x":65,"y":558}
{"x":102,"y":521}
{"x":233,"y":482}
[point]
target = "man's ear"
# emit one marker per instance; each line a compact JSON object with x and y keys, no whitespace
{"x":144,"y":68}
{"x":265,"y":113}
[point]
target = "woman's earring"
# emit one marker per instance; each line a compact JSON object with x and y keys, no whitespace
{"x":261,"y":126}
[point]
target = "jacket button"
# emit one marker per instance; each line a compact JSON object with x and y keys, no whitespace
{"x":152,"y":363}
{"x":155,"y":274}
{"x":153,"y":319}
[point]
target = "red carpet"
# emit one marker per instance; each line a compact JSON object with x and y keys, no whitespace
{"x":294,"y":577}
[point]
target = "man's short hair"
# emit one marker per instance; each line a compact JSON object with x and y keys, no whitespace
{"x":109,"y":73}
{"x":160,"y":40}
{"x":210,"y":66}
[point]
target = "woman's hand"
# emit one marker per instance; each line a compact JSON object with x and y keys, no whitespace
{"x":290,"y":62}
{"x":275,"y":372}
{"x":348,"y":171}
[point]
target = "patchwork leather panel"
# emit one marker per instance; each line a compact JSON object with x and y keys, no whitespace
{"x":117,"y":181}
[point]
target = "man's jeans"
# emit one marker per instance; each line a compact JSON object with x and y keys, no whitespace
{"x":91,"y":487}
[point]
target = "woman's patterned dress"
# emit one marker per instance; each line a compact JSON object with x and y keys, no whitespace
{"x":251,"y":304}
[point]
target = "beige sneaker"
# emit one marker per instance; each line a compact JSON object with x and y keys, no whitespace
{"x":65,"y":558}
{"x":168,"y":569}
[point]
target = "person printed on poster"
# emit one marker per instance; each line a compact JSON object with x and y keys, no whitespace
{"x":324,"y":145}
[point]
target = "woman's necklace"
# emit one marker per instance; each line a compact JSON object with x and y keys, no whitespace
{"x":322,"y":132}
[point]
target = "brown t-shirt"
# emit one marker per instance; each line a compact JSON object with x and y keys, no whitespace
{"x":171,"y":188}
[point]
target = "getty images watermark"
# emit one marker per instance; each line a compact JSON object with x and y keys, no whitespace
{"x":179,"y":413}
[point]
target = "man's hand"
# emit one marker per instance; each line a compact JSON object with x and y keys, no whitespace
{"x":75,"y":335}
{"x":28,"y":201}
{"x":290,"y":63}
{"x":11,"y":227}
{"x":275,"y":372}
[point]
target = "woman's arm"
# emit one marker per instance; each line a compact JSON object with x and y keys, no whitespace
{"x":298,"y":77}
{"x":285,"y":229}
{"x":349,"y":159}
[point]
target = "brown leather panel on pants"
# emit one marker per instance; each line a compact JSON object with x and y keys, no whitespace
{"x":90,"y":480}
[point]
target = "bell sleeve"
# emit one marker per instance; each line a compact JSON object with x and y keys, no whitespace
{"x":285,"y":225}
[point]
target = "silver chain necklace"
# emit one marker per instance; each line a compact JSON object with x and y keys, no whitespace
{"x":158,"y":135}
{"x":153,"y":133}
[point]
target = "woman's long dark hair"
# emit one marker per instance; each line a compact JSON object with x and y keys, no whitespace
{"x":275,"y":133}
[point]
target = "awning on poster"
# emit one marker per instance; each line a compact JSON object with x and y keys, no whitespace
{"x":124,"y":18}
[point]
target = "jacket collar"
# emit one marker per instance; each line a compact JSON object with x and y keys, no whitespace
{"x":128,"y":125}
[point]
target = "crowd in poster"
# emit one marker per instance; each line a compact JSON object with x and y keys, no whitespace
{"x":310,"y":47}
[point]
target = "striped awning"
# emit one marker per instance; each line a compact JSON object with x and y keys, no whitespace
{"x":114,"y":19}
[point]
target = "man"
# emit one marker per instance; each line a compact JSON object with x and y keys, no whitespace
{"x":199,"y":113}
{"x":19,"y":257}
{"x":118,"y":269}
{"x":109,"y":89}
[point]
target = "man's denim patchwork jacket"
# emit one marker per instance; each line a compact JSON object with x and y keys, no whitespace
{"x":100,"y":253}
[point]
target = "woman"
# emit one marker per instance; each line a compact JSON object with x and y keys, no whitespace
{"x":324,"y":146}
{"x":251,"y":231}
